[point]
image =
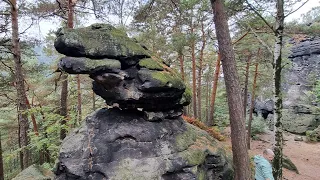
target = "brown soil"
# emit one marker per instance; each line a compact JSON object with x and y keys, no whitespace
{"x":306,"y":156}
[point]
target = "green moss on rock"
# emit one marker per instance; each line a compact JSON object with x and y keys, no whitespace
{"x":97,"y":40}
{"x":150,"y":64}
{"x":168,"y":79}
{"x":298,"y":123}
{"x":186,"y":97}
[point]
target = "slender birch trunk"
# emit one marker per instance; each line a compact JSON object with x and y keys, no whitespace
{"x":277,"y":162}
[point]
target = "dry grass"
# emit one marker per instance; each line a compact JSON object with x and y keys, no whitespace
{"x":212,"y":131}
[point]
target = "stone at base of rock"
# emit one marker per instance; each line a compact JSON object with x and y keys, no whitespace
{"x":298,"y":138}
{"x":35,"y":172}
{"x":121,"y":144}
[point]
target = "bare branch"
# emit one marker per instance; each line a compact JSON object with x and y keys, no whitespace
{"x":258,"y":14}
{"x":296,"y":9}
{"x":259,"y":39}
{"x":10,"y":68}
{"x":27,"y":27}
{"x":8,"y":2}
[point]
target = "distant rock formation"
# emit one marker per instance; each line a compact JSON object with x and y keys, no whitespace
{"x":143,"y":136}
{"x":301,"y":112}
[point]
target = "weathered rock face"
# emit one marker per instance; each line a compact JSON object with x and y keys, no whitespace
{"x":35,"y":172}
{"x":299,"y":122}
{"x":143,"y":136}
{"x":300,"y":114}
{"x":98,"y":41}
{"x":118,"y":144}
{"x":123,"y":72}
{"x":305,"y":70}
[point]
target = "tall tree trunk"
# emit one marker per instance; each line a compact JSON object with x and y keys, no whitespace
{"x":1,"y":162}
{"x":207,"y":98}
{"x":181,"y":60}
{"x":252,"y":105}
{"x":277,"y":162}
{"x":181,"y":66}
{"x":64,"y":79}
{"x":33,"y":118}
{"x":194,"y":86}
{"x":20,"y":86}
{"x":200,"y":72}
{"x":237,"y":121}
{"x":79,"y":99}
{"x":214,"y":90}
{"x":245,"y":94}
{"x":64,"y":104}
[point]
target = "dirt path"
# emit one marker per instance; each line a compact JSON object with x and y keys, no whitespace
{"x":306,"y":156}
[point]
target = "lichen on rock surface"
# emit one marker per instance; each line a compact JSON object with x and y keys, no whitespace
{"x":97,"y":41}
{"x":118,"y":144}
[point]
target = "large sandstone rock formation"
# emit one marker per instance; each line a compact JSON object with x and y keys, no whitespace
{"x":143,"y":136}
{"x":301,"y":112}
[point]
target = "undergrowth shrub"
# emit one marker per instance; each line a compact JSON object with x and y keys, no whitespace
{"x":258,"y":126}
{"x":312,"y":136}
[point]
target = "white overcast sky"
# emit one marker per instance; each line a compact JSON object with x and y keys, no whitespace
{"x":41,"y":30}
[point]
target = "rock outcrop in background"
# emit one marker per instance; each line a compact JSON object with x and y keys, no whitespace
{"x":301,"y":112}
{"x":143,"y":136}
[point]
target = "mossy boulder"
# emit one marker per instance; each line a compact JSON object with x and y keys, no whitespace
{"x":151,"y":64}
{"x":299,"y":123}
{"x":35,"y":172}
{"x":118,"y":144}
{"x":159,"y":80}
{"x":98,"y":41}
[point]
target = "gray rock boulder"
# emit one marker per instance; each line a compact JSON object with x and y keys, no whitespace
{"x":99,"y":41}
{"x":117,"y":144}
{"x":35,"y":172}
{"x":299,"y":123}
{"x":122,"y":70}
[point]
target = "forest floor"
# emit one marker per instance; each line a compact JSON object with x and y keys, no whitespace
{"x":305,"y":155}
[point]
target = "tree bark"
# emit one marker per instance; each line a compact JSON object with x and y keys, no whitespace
{"x":64,"y":104}
{"x":181,"y":67}
{"x":252,"y":105}
{"x":277,"y":162}
{"x":207,"y":99}
{"x":200,"y":72}
{"x":237,"y":121}
{"x":1,"y":162}
{"x":20,"y":86}
{"x":64,"y":79}
{"x":194,"y":86}
{"x":214,"y":91}
{"x":33,"y":118}
{"x":245,"y":94}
